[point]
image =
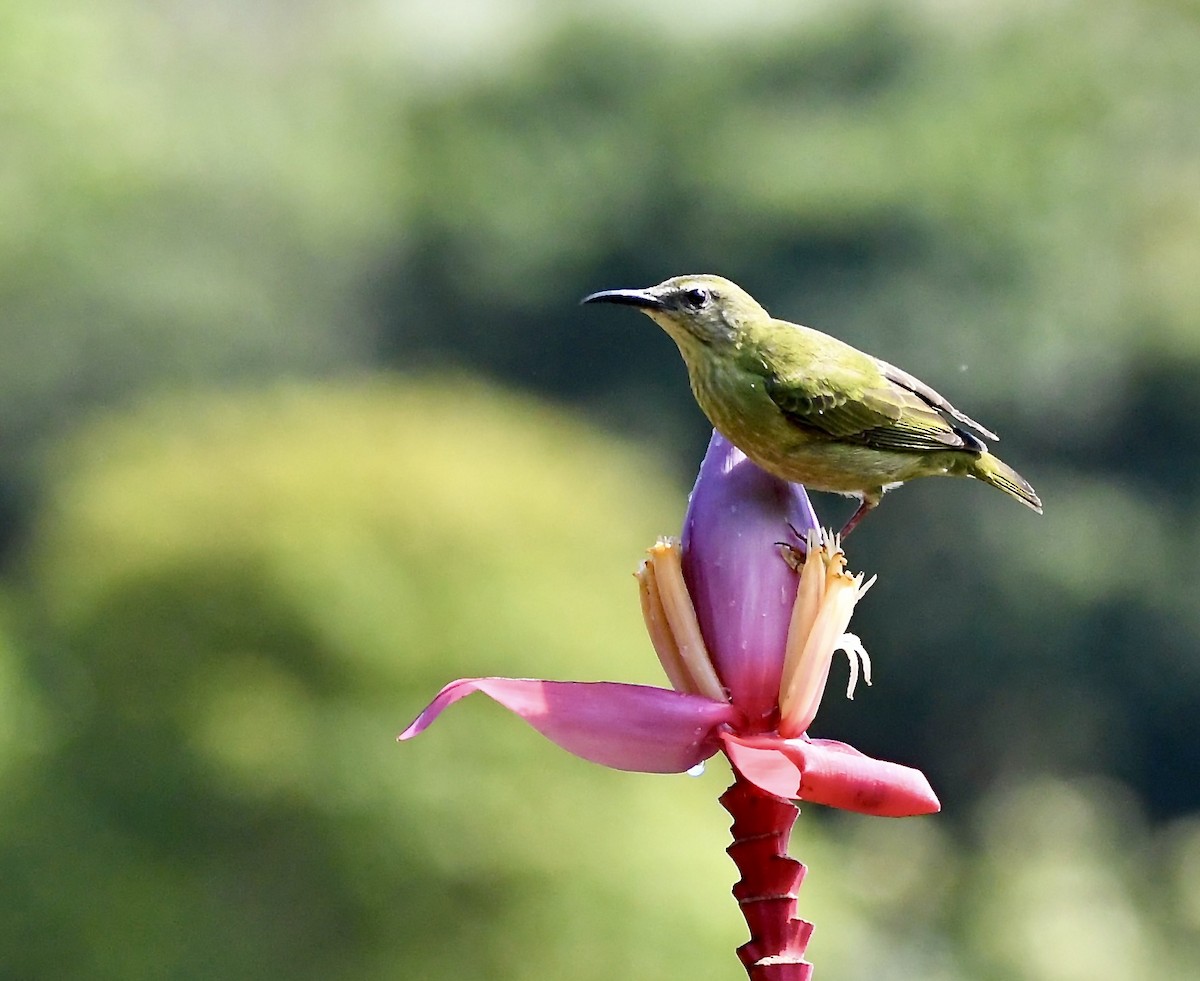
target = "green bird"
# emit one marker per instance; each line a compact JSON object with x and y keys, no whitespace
{"x":809,"y":408}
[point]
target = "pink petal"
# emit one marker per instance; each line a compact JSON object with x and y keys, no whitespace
{"x":626,"y":727}
{"x":741,"y":587}
{"x":824,"y":771}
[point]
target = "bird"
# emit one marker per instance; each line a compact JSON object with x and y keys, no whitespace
{"x":809,"y":408}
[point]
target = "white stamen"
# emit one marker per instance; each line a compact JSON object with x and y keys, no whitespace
{"x":825,"y":600}
{"x":856,"y":654}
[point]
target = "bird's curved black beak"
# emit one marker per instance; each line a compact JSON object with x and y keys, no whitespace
{"x":643,"y":299}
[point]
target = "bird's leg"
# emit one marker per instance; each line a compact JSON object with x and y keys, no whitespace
{"x":868,"y":504}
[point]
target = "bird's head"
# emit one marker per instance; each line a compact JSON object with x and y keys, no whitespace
{"x":697,"y":311}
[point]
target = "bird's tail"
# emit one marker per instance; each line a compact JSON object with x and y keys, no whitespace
{"x":992,"y":470}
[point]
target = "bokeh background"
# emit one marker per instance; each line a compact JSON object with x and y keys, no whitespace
{"x":299,"y":420}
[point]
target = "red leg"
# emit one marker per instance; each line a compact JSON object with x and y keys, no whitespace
{"x":864,"y":509}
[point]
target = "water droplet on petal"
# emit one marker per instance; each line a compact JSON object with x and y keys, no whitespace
{"x":697,"y":770}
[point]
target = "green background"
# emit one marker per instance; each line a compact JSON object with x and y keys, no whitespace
{"x":299,"y":420}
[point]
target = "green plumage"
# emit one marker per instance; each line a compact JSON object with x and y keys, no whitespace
{"x":808,"y":407}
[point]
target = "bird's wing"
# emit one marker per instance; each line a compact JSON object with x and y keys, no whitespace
{"x":927,"y":394}
{"x":890,"y":410}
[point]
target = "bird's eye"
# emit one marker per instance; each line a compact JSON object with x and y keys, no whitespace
{"x":695,"y":298}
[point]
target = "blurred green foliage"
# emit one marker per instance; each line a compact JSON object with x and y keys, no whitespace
{"x":234,"y":605}
{"x":232,"y":571}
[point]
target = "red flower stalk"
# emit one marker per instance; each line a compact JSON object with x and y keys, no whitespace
{"x":769,"y":885}
{"x":746,"y":640}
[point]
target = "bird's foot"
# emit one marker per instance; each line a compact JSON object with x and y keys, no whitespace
{"x":792,"y":553}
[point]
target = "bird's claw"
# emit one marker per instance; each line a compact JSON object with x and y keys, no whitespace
{"x":794,"y":555}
